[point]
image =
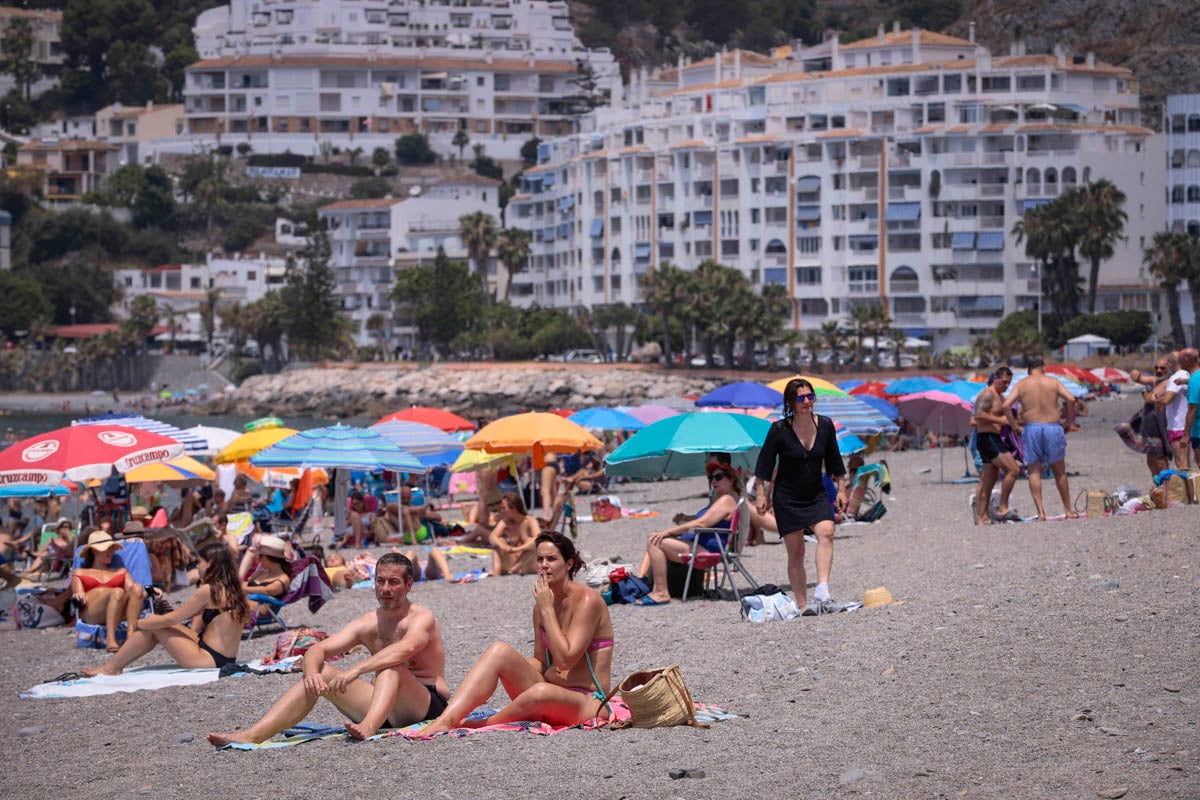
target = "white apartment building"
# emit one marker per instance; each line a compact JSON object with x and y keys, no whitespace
{"x":1181,"y":124}
{"x":886,"y":171}
{"x":371,"y":239}
{"x":294,"y":74}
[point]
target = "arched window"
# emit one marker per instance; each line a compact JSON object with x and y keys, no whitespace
{"x":904,"y":280}
{"x":1033,"y":181}
{"x":1068,"y":176}
{"x":616,"y":255}
{"x":775,"y":247}
{"x":1193,"y":158}
{"x":1051,"y":175}
{"x":1177,"y":158}
{"x":1179,"y":124}
{"x":1177,"y":193}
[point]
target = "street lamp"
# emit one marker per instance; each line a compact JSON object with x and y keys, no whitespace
{"x":1035,"y":273}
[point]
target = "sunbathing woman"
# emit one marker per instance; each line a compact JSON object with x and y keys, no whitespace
{"x":512,"y":539}
{"x":219,"y":604}
{"x":59,"y":549}
{"x":569,"y":675}
{"x":272,"y":576}
{"x":105,"y":595}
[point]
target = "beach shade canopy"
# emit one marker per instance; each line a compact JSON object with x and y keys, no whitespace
{"x":280,"y":477}
{"x":937,"y":411}
{"x":651,"y":412}
{"x":80,"y":452}
{"x":251,"y":442}
{"x":1111,"y":375}
{"x":855,"y":415}
{"x":741,"y":394}
{"x":538,"y":432}
{"x":822,"y":387}
{"x":1077,"y":374}
{"x":178,"y":472}
{"x":432,"y":446}
{"x":338,"y":447}
{"x":914,"y":385}
{"x":885,"y":408}
{"x":439,"y":418}
{"x":215,"y":439}
{"x":680,"y":446}
{"x":606,"y":419}
{"x":193,"y":445}
{"x":869,"y":389}
{"x":967,"y":390}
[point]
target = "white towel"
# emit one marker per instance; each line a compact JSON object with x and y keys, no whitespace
{"x":150,"y":677}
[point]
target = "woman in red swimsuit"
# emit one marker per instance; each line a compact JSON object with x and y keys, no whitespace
{"x":569,"y":677}
{"x":106,"y":595}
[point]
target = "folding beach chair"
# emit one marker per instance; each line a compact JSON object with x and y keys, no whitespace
{"x":727,"y":561}
{"x":309,"y":580}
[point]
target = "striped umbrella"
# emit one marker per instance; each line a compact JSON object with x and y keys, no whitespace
{"x":178,"y":472}
{"x":848,"y":443}
{"x":432,"y":446}
{"x":217,"y":438}
{"x":855,"y":415}
{"x":882,"y":406}
{"x":822,"y":387}
{"x":338,"y":447}
{"x":191,"y":442}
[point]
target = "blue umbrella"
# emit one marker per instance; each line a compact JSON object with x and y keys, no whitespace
{"x":882,"y":406}
{"x":855,"y":415}
{"x":338,"y":447}
{"x":742,"y":394}
{"x":680,"y":446}
{"x":602,"y":418}
{"x":967,"y":390}
{"x":432,"y":446}
{"x":847,"y":385}
{"x":848,"y":443}
{"x":190,"y":441}
{"x":29,"y":490}
{"x":914,"y":385}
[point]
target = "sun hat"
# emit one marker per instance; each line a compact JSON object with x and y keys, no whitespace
{"x":269,"y":545}
{"x":492,"y":497}
{"x":62,"y":521}
{"x":877,"y":597}
{"x":101,"y":540}
{"x":133,"y":526}
{"x":714,"y":466}
{"x":137,"y":512}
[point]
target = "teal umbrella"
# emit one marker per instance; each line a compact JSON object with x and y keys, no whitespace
{"x":680,"y":446}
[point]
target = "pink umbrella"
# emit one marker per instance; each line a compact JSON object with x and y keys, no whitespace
{"x":80,"y":452}
{"x":946,"y":412}
{"x":651,"y":412}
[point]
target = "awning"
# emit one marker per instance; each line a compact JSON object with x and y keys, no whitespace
{"x":962,"y":241}
{"x":865,"y":240}
{"x":702,"y":218}
{"x":564,"y":230}
{"x":809,"y":183}
{"x":566,"y":202}
{"x":990,"y":240}
{"x":985,"y":303}
{"x":641,"y":250}
{"x":548,"y":179}
{"x":1026,"y":205}
{"x":808,"y":213}
{"x":903,"y":212}
{"x":597,"y":228}
{"x":1073,"y":107}
{"x":916,"y":333}
{"x":434,"y":76}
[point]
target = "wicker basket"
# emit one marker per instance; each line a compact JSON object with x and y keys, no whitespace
{"x":658,"y":698}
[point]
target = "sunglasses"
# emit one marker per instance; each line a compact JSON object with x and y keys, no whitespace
{"x":716,"y":476}
{"x":805,"y":398}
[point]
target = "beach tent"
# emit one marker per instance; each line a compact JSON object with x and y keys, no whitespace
{"x":1083,"y":346}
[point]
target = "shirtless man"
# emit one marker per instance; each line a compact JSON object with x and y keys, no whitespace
{"x":1044,"y":430}
{"x":407,"y":657}
{"x":990,"y":418}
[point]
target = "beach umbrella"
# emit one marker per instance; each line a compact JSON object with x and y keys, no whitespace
{"x":215,"y":439}
{"x":1111,"y":374}
{"x":192,"y":444}
{"x":437,"y":417}
{"x":914,"y":385}
{"x":470,"y":460}
{"x":651,"y":412}
{"x":29,"y":490}
{"x":80,"y":452}
{"x":1073,"y":388}
{"x":885,"y":408}
{"x":855,"y":415}
{"x":848,"y":443}
{"x":847,"y":385}
{"x":741,"y":394}
{"x":432,"y":446}
{"x":822,"y":387}
{"x":535,"y":431}
{"x":1077,"y":374}
{"x":945,"y":412}
{"x":606,"y":419}
{"x":967,"y":390}
{"x":565,"y":413}
{"x":869,"y":389}
{"x":681,"y":445}
{"x":178,"y":472}
{"x":251,"y":442}
{"x":280,"y":477}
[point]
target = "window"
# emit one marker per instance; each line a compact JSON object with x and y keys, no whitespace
{"x":283,"y":17}
{"x":251,"y":275}
{"x":814,"y":307}
{"x":951,"y":83}
{"x":808,"y":276}
{"x":808,"y":245}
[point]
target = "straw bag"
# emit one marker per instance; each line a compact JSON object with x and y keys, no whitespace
{"x":658,"y":698}
{"x":1097,"y":504}
{"x":1176,"y":491}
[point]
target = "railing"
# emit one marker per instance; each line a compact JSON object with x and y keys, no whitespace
{"x":991,"y":222}
{"x":868,"y":162}
{"x":992,"y":189}
{"x":995,"y":158}
{"x":904,"y":286}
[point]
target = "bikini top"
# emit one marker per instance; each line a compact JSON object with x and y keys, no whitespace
{"x":89,"y":583}
{"x":593,"y":646}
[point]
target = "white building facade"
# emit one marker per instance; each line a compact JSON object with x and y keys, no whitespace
{"x":887,"y":171}
{"x":293,"y":74}
{"x":1181,"y":124}
{"x":372,"y":239}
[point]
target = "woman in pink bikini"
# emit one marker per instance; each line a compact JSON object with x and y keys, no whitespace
{"x":568,"y":679}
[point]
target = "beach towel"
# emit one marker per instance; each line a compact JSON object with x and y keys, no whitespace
{"x":309,"y":580}
{"x":463,"y":550}
{"x":151,"y":677}
{"x":313,"y":732}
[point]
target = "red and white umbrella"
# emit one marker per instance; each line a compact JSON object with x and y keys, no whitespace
{"x":83,"y":452}
{"x":1111,"y":374}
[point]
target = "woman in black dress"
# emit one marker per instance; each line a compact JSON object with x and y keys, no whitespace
{"x":789,"y":471}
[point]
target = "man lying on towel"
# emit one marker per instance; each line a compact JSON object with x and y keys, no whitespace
{"x":407,"y":657}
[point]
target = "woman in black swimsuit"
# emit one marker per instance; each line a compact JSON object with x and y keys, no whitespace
{"x":220,"y":605}
{"x":790,"y":463}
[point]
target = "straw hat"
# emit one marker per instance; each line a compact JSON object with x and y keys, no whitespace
{"x":877,"y":597}
{"x":133,"y":526}
{"x":269,"y":545}
{"x":100,"y":540}
{"x":492,"y":497}
{"x":138,"y":512}
{"x":61,"y":522}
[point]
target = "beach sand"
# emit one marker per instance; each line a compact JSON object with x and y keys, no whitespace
{"x":1008,"y":671}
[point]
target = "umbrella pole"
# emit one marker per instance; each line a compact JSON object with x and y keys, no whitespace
{"x":941,"y":451}
{"x":341,"y":487}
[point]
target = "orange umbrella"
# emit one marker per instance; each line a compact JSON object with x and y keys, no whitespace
{"x":280,"y":477}
{"x":439,"y":418}
{"x":538,"y":431}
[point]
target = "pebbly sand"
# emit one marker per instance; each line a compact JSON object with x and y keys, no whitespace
{"x":1007,"y":672}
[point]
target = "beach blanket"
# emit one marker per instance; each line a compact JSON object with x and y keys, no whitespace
{"x":311,"y":733}
{"x":464,"y":550}
{"x":155,"y":676}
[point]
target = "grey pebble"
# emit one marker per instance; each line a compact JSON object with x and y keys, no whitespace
{"x":852,"y":775}
{"x":31,"y":730}
{"x":1107,"y":585}
{"x":182,"y":738}
{"x":1113,"y":793}
{"x":676,"y":774}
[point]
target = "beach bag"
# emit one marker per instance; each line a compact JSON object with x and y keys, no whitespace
{"x":874,"y":513}
{"x":294,"y":643}
{"x":1176,"y":491}
{"x":658,"y":698}
{"x":97,"y":635}
{"x":1192,"y":484}
{"x":769,"y":607}
{"x":627,"y":587}
{"x":30,"y":612}
{"x":1097,"y":504}
{"x":603,"y":510}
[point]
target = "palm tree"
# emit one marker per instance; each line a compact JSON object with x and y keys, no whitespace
{"x":208,"y":315}
{"x":1102,"y":221}
{"x":861,"y":317}
{"x":512,"y":248}
{"x":665,"y":289}
{"x":461,"y":140}
{"x":168,"y":313}
{"x":831,"y":337}
{"x":1050,"y":233}
{"x":478,"y":232}
{"x":1167,"y":259}
{"x":897,"y":338}
{"x":812,"y":345}
{"x":377,"y":325}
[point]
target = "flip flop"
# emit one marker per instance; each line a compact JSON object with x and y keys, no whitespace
{"x":1011,"y":516}
{"x":66,"y":676}
{"x":649,"y":601}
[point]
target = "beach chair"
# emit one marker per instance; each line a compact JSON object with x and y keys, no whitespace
{"x":309,"y":580}
{"x":727,"y":562}
{"x":134,"y":557}
{"x":59,"y":565}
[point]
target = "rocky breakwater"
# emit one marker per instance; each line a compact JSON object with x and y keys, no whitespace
{"x":475,"y":391}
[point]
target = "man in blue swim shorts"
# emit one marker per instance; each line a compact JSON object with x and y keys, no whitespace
{"x":1043,"y":429}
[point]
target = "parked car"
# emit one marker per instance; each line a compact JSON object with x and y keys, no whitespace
{"x":583,"y":357}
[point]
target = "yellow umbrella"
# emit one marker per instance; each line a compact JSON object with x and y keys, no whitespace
{"x":479,"y":459}
{"x":248,"y":444}
{"x":538,"y":431}
{"x":182,"y":469}
{"x":822,"y":387}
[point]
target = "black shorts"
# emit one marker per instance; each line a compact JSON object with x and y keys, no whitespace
{"x":437,"y":704}
{"x":990,"y":446}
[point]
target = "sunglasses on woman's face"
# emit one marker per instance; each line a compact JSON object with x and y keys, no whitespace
{"x":716,"y":476}
{"x":805,"y":398}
